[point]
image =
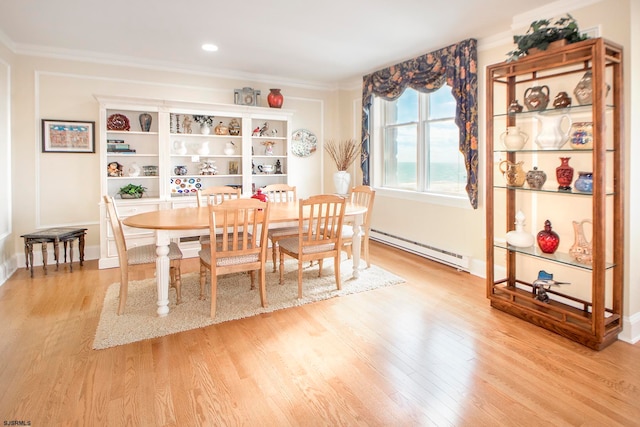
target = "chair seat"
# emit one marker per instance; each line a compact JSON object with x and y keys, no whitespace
{"x":205,"y":255}
{"x":291,"y":245}
{"x":205,"y":239}
{"x":146,"y":254}
{"x":284,"y":231}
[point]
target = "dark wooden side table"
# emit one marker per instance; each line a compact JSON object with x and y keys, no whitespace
{"x":65,"y":235}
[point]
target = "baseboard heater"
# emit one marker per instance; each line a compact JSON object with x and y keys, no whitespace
{"x":458,"y":261}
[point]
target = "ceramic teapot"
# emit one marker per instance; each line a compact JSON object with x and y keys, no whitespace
{"x":536,"y":98}
{"x":551,"y":135}
{"x":265,"y":168}
{"x":513,"y":138}
{"x":513,"y":173}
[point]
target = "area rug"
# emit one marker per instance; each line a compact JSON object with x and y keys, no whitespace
{"x":235,"y":300}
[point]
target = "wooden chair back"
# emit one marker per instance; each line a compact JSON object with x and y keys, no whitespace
{"x":241,"y":226}
{"x":237,"y":223}
{"x":217,"y":194}
{"x":363,"y":195}
{"x":280,"y":193}
{"x":118,"y":234}
{"x":320,"y":227}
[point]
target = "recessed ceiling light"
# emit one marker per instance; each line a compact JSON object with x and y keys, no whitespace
{"x":209,"y":47}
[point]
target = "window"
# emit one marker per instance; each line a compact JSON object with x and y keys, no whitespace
{"x":415,"y":145}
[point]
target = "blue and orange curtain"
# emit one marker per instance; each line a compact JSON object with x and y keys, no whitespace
{"x":455,"y":65}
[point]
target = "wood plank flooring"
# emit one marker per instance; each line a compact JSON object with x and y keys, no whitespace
{"x":430,"y":351}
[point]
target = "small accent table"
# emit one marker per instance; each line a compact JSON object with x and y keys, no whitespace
{"x":54,"y":235}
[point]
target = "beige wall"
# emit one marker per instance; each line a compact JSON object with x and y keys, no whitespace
{"x":63,"y":189}
{"x":7,"y":260}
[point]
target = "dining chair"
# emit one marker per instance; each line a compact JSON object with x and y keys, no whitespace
{"x":238,"y":248}
{"x":362,"y":195}
{"x":280,"y":193}
{"x":144,"y":254}
{"x":217,"y":194}
{"x":319,"y":235}
{"x":214,"y":196}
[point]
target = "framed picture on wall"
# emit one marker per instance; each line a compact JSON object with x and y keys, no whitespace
{"x":68,"y":136}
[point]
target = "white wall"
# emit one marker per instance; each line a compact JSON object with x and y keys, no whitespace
{"x":7,"y":260}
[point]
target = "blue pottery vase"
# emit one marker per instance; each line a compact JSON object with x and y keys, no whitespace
{"x":584,"y":183}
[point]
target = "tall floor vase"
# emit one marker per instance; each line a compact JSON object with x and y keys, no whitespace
{"x":341,"y":181}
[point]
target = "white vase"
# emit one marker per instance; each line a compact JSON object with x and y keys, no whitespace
{"x":205,"y":129}
{"x":341,"y":181}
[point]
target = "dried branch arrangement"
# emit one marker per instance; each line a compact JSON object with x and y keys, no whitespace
{"x":343,"y":153}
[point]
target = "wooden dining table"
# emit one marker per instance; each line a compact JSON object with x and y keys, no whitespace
{"x":182,"y":222}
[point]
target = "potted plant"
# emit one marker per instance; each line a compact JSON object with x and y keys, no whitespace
{"x":131,"y":191}
{"x":542,"y":33}
{"x":343,"y":153}
{"x":205,"y":123}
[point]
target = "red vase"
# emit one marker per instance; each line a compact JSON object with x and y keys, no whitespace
{"x":564,"y":174}
{"x":260,"y":196}
{"x":548,"y":240}
{"x":275,"y":98}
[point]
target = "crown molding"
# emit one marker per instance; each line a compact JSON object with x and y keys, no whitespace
{"x":126,"y":61}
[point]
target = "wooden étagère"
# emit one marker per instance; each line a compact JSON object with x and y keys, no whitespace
{"x":588,"y":310}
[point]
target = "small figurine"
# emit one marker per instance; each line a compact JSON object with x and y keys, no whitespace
{"x":274,"y":132}
{"x":268,"y":147}
{"x":263,"y":129}
{"x":207,"y":167}
{"x":253,"y":168}
{"x":542,"y":284}
{"x":186,"y":124}
{"x":278,"y":167}
{"x":256,"y":131}
{"x":114,"y":169}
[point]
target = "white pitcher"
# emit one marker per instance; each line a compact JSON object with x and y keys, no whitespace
{"x":179,"y":148}
{"x":551,"y":135}
{"x":204,"y":149}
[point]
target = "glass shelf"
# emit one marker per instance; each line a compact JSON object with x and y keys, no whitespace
{"x":555,"y":150}
{"x":559,"y":257}
{"x":550,"y":190}
{"x":575,"y":109}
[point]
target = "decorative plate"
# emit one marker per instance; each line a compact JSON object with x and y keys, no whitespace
{"x":303,"y":143}
{"x":118,"y":122}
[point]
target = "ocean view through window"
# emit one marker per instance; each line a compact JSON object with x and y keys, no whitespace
{"x":416,"y":144}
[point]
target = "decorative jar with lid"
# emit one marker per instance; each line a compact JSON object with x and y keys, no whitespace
{"x":548,"y":240}
{"x":536,"y":178}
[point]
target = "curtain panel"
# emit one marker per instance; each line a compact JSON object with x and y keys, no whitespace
{"x":455,"y":65}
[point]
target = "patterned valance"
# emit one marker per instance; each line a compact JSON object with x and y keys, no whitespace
{"x":454,"y":65}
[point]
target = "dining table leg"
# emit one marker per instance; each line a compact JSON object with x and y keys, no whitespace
{"x":162,"y":271}
{"x":355,"y":244}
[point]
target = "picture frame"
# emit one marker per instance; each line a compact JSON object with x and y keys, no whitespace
{"x":68,"y":136}
{"x":234,"y":167}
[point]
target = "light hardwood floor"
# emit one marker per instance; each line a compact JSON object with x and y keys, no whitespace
{"x":430,"y":351}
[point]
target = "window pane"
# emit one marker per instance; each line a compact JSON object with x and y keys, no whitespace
{"x":446,"y":171}
{"x":442,"y":104}
{"x":403,"y":109}
{"x":400,"y":157}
